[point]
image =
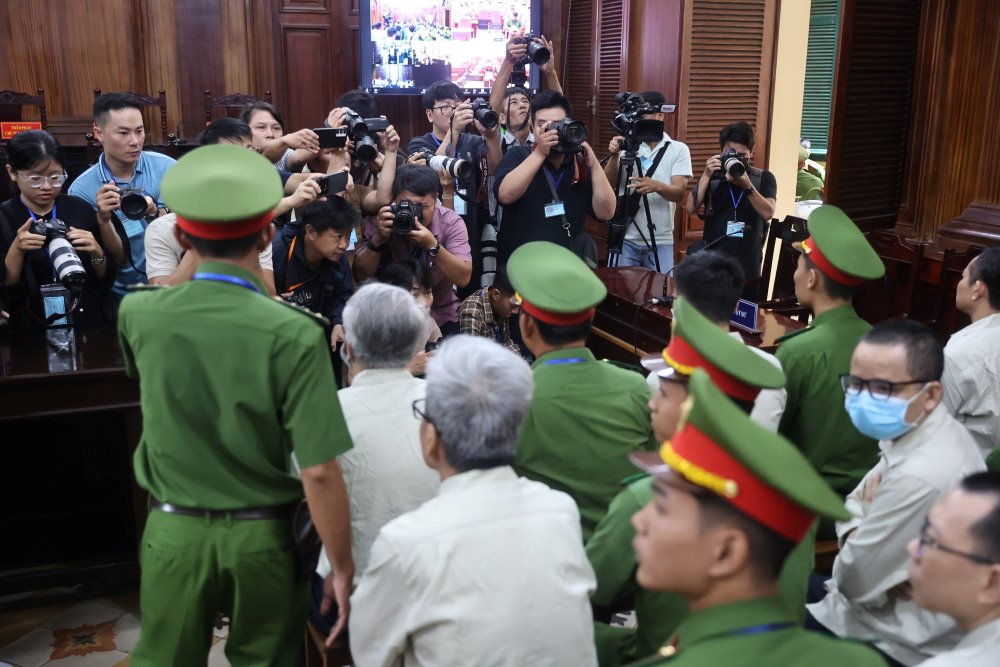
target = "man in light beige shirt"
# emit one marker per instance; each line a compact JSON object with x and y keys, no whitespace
{"x":972,"y":357}
{"x":893,"y":393}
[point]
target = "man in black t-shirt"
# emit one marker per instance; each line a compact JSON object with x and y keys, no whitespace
{"x":449,"y":115}
{"x":736,"y":206}
{"x":528,"y":175}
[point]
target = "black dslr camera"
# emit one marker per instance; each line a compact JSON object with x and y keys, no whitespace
{"x":482,"y":112}
{"x":733,"y":164}
{"x":572,"y":134}
{"x":133,"y":203}
{"x":364,"y":132}
{"x":65,"y":262}
{"x":537,"y":51}
{"x":405,"y":216}
{"x":628,"y":121}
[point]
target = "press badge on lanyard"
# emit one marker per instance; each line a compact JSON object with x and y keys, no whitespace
{"x":734,"y":228}
{"x":460,"y":206}
{"x":55,"y":299}
{"x":556,"y":209}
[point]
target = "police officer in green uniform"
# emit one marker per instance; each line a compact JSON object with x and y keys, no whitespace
{"x":586,"y":415}
{"x":836,"y":259}
{"x":232,"y":383}
{"x":731,"y":499}
{"x":696,"y":342}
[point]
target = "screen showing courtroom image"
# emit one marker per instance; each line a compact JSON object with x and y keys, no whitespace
{"x":406,"y":45}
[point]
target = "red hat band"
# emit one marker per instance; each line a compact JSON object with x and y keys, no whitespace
{"x":230,"y":230}
{"x":704,"y":463}
{"x":556,"y":319}
{"x":814,"y":254}
{"x":683,"y":358}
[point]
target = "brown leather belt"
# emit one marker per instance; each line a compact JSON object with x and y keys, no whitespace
{"x":246,"y":514}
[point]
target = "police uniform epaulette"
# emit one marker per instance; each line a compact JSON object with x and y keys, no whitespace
{"x":319,"y":319}
{"x":143,"y":287}
{"x":792,"y":334}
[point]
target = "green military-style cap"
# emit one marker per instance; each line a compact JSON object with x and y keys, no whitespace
{"x":222,"y":192}
{"x":839,"y":249}
{"x":719,"y":448}
{"x":553,"y":284}
{"x":697,"y":342}
{"x":803,"y":153}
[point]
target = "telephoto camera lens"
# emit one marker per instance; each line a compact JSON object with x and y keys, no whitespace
{"x":357,"y":128}
{"x":538,"y":53}
{"x":486,"y":116}
{"x":457,"y":167}
{"x":365,"y":150}
{"x":133,"y":203}
{"x":404,"y":220}
{"x":66,"y":263}
{"x":734,"y":166}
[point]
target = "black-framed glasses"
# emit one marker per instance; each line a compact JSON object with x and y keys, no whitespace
{"x":445,"y":109}
{"x":926,"y":541}
{"x":419,"y":407}
{"x":880,"y":390}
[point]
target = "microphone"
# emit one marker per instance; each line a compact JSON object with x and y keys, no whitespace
{"x":667,"y":299}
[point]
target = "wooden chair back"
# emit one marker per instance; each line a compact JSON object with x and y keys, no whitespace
{"x":159,"y":103}
{"x":892,"y":297}
{"x":231,"y":104}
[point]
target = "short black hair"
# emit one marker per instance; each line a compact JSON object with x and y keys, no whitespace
{"x":712,"y":282}
{"x":767,"y":549}
{"x":986,"y":531}
{"x":405,"y":273}
{"x":986,"y":268}
{"x":653,"y":98}
{"x":225,"y":129}
{"x":416,"y":178}
{"x":550,"y":99}
{"x":108,"y":102}
{"x":561,"y":335}
{"x":502,"y":283}
{"x":335,"y":213}
{"x":510,"y":91}
{"x":740,"y":133}
{"x":223,"y":248}
{"x":441,"y":91}
{"x":833,"y":289}
{"x":249,"y":109}
{"x":360,"y":102}
{"x":31,"y":148}
{"x":924,"y":352}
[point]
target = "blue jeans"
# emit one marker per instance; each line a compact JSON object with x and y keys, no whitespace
{"x":640,"y":255}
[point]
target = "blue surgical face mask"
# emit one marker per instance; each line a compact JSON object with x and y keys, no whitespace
{"x":882,"y":419}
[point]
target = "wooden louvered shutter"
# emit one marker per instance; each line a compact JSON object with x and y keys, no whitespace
{"x":579,"y":65}
{"x":612,"y":46}
{"x":821,"y":59}
{"x":868,"y":135}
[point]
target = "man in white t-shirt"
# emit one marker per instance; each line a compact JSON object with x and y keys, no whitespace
{"x":666,"y":169}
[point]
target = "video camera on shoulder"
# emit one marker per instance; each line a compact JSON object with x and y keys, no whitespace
{"x":628,"y":121}
{"x":405,"y":215}
{"x":733,"y":164}
{"x":572,"y":134}
{"x":364,"y":132}
{"x":65,"y":262}
{"x":538,"y":53}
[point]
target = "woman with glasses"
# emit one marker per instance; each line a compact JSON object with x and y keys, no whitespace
{"x":31,"y":283}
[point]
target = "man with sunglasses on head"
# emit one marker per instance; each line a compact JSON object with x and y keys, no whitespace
{"x":893,"y":393}
{"x":955,"y":569}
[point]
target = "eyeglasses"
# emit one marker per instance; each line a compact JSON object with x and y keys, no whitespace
{"x":419,"y":412}
{"x":880,"y":390}
{"x":445,"y":110}
{"x":35,"y":181}
{"x":927,"y":541}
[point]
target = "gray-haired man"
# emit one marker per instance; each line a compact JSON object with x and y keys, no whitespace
{"x":492,"y":570}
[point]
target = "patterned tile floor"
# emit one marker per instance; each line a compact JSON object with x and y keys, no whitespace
{"x":92,"y":633}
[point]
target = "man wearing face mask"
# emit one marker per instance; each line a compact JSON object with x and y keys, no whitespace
{"x":893,"y":393}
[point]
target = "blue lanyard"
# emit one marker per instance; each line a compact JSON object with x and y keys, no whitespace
{"x":760,"y":629}
{"x":223,"y":278}
{"x":568,"y":360}
{"x":32,"y":214}
{"x":736,"y":202}
{"x":554,"y":182}
{"x":104,"y":177}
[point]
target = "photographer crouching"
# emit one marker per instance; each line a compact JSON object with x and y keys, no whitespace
{"x":738,"y":199}
{"x":416,"y":226}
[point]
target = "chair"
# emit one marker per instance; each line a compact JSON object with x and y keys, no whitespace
{"x":317,"y":654}
{"x":12,"y":110}
{"x":945,"y":318}
{"x":232,"y":104}
{"x":783,"y":299}
{"x":892,"y":297}
{"x":94,"y":148}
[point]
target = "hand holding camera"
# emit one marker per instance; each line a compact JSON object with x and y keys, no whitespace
{"x":732,"y":167}
{"x":517,"y":49}
{"x":85,"y":241}
{"x":108,"y":201}
{"x":547,"y":141}
{"x":27,"y":239}
{"x":307,"y":191}
{"x":461,"y":118}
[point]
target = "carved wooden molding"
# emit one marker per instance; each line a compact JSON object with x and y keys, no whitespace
{"x":979,"y":223}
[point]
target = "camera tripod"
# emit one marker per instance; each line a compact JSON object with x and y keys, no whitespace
{"x":627,"y":205}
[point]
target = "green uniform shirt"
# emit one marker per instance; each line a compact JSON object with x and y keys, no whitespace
{"x":807,"y":183}
{"x":586,"y":417}
{"x":814,"y":417}
{"x":657,"y":613}
{"x":231,"y":383}
{"x":744,"y":633}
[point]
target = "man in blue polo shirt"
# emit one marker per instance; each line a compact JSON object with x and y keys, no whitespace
{"x":118,"y":125}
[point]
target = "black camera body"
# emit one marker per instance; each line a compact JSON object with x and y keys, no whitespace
{"x":572,"y":134}
{"x":65,"y":262}
{"x":405,"y":215}
{"x":482,"y":112}
{"x":358,"y":127}
{"x":628,"y":121}
{"x":133,"y":203}
{"x":733,"y":164}
{"x":50,"y":229}
{"x":538,"y":53}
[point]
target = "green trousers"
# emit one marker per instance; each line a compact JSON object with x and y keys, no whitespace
{"x":194,"y":568}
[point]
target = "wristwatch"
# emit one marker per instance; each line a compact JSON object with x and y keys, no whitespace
{"x":433,"y":252}
{"x":96,"y":261}
{"x":749,"y":191}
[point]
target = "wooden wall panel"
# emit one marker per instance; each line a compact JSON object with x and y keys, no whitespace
{"x":654,"y":51}
{"x":307,"y":82}
{"x":162,"y":68}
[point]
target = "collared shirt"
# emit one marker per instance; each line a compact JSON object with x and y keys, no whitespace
{"x":971,"y":377}
{"x":676,"y":161}
{"x":475,"y":318}
{"x":586,"y":417}
{"x":979,"y":648}
{"x":324,"y":291}
{"x":863,"y":599}
{"x":148,"y":175}
{"x":384,"y":471}
{"x":232,"y":382}
{"x":462,"y":580}
{"x":449,"y":229}
{"x":164,"y":252}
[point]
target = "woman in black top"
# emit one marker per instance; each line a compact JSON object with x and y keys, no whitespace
{"x":35,"y":165}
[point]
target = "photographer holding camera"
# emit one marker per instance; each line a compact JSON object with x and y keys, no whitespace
{"x":415,"y":226}
{"x":548,"y":188}
{"x":666,"y":168}
{"x":53,"y":256}
{"x":509,"y":98}
{"x":738,"y":199}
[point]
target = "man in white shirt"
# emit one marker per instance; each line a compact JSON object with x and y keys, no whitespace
{"x":972,"y":356}
{"x":955,"y":569}
{"x":893,"y":393}
{"x":491,"y":571}
{"x":385,"y":474}
{"x":666,"y":168}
